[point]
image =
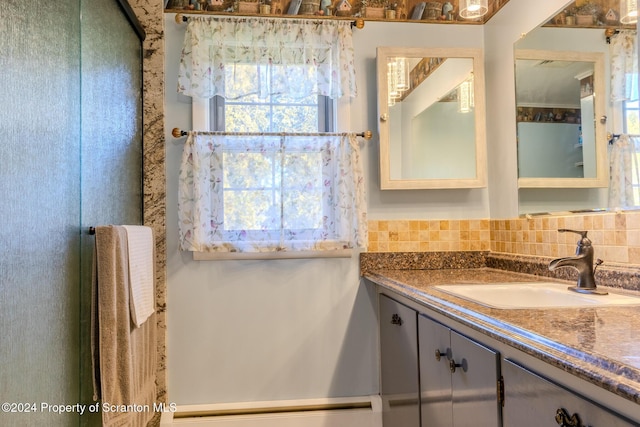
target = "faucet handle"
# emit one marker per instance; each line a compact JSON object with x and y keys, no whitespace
{"x":597,"y":264}
{"x":584,"y":241}
{"x":566,"y":230}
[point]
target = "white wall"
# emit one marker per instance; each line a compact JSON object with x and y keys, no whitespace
{"x":517,"y":17}
{"x":267,"y":330}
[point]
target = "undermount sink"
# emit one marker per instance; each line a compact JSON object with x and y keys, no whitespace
{"x":533,"y":295}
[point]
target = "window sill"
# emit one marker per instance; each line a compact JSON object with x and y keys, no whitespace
{"x":222,"y":256}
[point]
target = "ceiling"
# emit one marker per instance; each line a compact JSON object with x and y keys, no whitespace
{"x":550,"y":83}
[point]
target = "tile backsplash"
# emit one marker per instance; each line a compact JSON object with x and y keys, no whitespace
{"x":429,"y":235}
{"x":615,"y":235}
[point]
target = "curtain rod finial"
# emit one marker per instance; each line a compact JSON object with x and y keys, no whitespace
{"x":177,"y":133}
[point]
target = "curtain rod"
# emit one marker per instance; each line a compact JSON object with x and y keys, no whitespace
{"x":613,"y":136}
{"x":177,"y":133}
{"x":180,"y":18}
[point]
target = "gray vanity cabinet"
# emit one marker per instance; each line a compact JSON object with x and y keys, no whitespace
{"x":458,"y":378}
{"x":399,"y":364}
{"x":532,"y":400}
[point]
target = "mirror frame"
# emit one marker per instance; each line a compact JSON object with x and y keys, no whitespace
{"x":602,"y":167}
{"x":480,"y":180}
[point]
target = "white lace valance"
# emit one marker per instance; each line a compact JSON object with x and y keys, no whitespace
{"x":287,"y":51}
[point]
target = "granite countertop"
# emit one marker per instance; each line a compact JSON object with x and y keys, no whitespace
{"x":600,"y":345}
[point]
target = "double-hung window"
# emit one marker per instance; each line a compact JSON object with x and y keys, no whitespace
{"x":261,"y":196}
{"x":277,"y":181}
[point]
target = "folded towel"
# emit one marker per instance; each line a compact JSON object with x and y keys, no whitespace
{"x":124,"y":357}
{"x":141,"y":299}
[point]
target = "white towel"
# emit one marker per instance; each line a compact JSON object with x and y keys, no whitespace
{"x":141,"y":296}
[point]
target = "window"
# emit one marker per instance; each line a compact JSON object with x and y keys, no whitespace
{"x":278,"y":192}
{"x":268,"y":178}
{"x":261,"y":179}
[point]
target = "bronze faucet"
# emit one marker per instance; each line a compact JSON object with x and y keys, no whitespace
{"x":583,"y":262}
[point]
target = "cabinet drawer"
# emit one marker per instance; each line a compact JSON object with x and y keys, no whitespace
{"x":532,"y":400}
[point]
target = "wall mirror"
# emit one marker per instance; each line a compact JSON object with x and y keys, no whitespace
{"x":431,"y":110}
{"x":561,"y":119}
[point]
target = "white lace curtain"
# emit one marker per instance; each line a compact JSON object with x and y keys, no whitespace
{"x":321,"y":51}
{"x":314,"y":199}
{"x":624,"y":66}
{"x":624,"y":173}
{"x":623,"y":161}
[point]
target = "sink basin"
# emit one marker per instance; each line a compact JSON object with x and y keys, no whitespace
{"x":533,"y":295}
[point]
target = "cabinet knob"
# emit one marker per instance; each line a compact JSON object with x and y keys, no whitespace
{"x":564,"y":420}
{"x":384,"y":117}
{"x":453,"y":365}
{"x":440,"y":354}
{"x":396,"y":320}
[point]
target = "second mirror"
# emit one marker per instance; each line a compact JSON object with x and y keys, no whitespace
{"x":431,"y":112}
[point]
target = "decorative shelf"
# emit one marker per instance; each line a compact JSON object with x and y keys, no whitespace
{"x":589,"y":14}
{"x":548,"y":115}
{"x":370,"y":10}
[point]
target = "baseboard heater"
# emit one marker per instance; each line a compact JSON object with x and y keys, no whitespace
{"x":363,"y":411}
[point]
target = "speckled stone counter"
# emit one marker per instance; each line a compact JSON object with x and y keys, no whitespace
{"x":599,"y":345}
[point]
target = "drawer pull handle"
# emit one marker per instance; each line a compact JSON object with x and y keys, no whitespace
{"x":440,"y":354}
{"x":564,"y":420}
{"x":396,"y":320}
{"x":453,"y":365}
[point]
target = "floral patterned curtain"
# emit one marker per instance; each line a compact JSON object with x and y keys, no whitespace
{"x":240,"y":193}
{"x":212,"y":45}
{"x":624,"y":66}
{"x":624,"y":173}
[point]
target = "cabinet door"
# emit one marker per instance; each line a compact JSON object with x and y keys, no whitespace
{"x":531,"y":400}
{"x":475,"y":383}
{"x":435,"y":377}
{"x":399,"y":364}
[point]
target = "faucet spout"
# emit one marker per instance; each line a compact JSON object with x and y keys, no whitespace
{"x":582,"y":262}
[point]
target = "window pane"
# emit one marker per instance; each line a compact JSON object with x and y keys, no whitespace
{"x":248,"y":170}
{"x":633,"y":122}
{"x":249,"y":210}
{"x":240,"y":82}
{"x":295,"y":119}
{"x":632,"y":117}
{"x":302,"y":202}
{"x":303,"y":170}
{"x":304,"y":81}
{"x":247,"y":118}
{"x":302,"y":209}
